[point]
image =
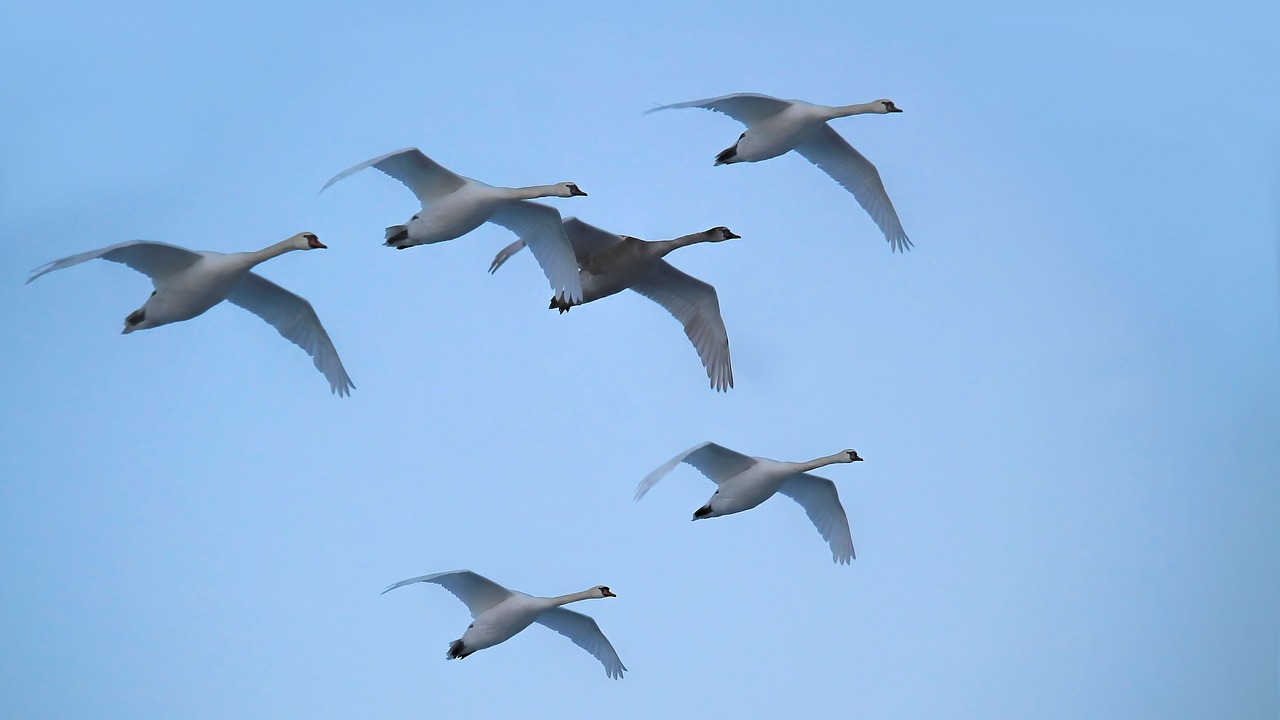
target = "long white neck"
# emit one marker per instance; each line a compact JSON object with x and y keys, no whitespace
{"x":846,"y":110}
{"x":266,"y":253}
{"x":571,"y":598}
{"x":534,"y":191}
{"x":822,"y":462}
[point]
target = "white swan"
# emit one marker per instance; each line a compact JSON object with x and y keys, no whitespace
{"x":775,"y":126}
{"x":188,"y":282}
{"x":500,"y":613}
{"x":453,"y":205}
{"x":744,"y":482}
{"x":611,"y":263}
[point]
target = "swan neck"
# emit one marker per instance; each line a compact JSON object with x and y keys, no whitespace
{"x":822,"y":462}
{"x":271,"y":251}
{"x":665,"y":246}
{"x":534,"y":191}
{"x":571,"y":598}
{"x":847,"y":110}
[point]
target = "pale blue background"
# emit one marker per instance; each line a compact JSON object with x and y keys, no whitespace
{"x":1068,"y":395}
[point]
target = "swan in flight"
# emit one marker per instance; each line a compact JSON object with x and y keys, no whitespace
{"x":498,"y":614}
{"x":453,"y":205}
{"x":743,"y":482}
{"x":188,"y":282}
{"x":775,"y":126}
{"x":611,"y":263}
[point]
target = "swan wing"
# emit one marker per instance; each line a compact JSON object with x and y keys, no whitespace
{"x":425,"y":177}
{"x":695,"y":305}
{"x":746,"y":108}
{"x":837,"y":158}
{"x":718,"y":463}
{"x":295,"y":319}
{"x":505,"y":254}
{"x":477,"y":592}
{"x":155,"y":260}
{"x":541,"y":229}
{"x":585,"y":633}
{"x":821,"y":503}
{"x":584,"y":237}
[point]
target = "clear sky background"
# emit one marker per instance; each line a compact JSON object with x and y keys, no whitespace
{"x":1068,"y":395}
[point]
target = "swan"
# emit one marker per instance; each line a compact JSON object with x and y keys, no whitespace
{"x":611,"y":263}
{"x":498,"y":614}
{"x":744,"y":482}
{"x":189,"y":282}
{"x":775,"y":126}
{"x":453,"y":205}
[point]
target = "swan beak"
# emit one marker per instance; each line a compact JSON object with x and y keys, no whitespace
{"x":895,"y":108}
{"x":608,"y":593}
{"x":316,"y":244}
{"x":731,"y":235}
{"x":575,"y":191}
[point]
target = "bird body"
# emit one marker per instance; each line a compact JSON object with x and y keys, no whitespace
{"x":499,"y":614}
{"x":453,"y":205}
{"x":775,"y":127}
{"x":609,"y":264}
{"x":188,"y":282}
{"x":743,"y":482}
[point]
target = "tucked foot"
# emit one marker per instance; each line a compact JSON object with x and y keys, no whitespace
{"x":455,"y":651}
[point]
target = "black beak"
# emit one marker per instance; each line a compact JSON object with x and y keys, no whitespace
{"x":895,"y":108}
{"x":730,"y":235}
{"x":575,"y":192}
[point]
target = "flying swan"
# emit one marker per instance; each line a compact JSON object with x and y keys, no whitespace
{"x":189,"y":282}
{"x":775,"y":126}
{"x":453,"y":205}
{"x":500,"y":613}
{"x":744,"y":482}
{"x":611,"y":263}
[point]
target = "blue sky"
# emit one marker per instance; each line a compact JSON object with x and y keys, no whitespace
{"x":1067,"y":395}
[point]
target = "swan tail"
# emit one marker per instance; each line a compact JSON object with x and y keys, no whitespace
{"x":397,"y":237}
{"x":135,"y":318}
{"x":559,"y":303}
{"x":455,"y":651}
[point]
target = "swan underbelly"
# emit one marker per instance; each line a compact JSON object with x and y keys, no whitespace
{"x":189,"y":293}
{"x":744,"y":491}
{"x":773,"y":136}
{"x":452,"y":217}
{"x":497,"y":625}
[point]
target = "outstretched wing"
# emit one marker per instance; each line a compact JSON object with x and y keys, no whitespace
{"x":821,"y":503}
{"x":541,"y":229}
{"x":746,"y":108}
{"x":585,"y":633}
{"x":425,"y":177}
{"x":695,"y":305}
{"x":477,"y":592}
{"x":716,"y":462}
{"x":155,"y":260}
{"x":295,"y":319}
{"x":837,"y":158}
{"x":584,"y":237}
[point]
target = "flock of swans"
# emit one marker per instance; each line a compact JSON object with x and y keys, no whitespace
{"x":583,"y":263}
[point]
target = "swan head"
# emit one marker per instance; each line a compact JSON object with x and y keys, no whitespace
{"x":567,"y":189}
{"x":886,"y":106}
{"x":852,"y":455}
{"x":602,"y":591}
{"x":720,"y":234}
{"x":307,"y":241}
